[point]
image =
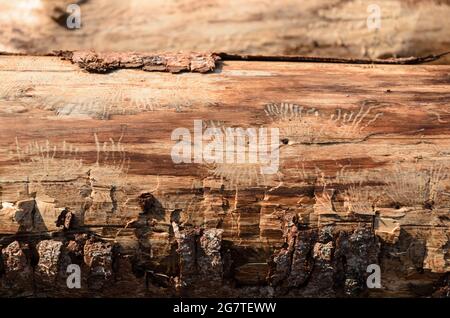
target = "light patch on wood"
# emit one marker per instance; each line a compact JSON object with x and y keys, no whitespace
{"x":237,"y":174}
{"x":179,"y":94}
{"x":423,"y":186}
{"x":303,"y":125}
{"x":359,"y":198}
{"x":39,"y":161}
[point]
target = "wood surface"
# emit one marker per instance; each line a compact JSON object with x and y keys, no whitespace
{"x":87,"y":177}
{"x":334,"y":28}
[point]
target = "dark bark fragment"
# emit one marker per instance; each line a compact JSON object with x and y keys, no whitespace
{"x":324,"y":261}
{"x":18,"y":275}
{"x":201,"y":264}
{"x":98,"y":256}
{"x":65,"y":219}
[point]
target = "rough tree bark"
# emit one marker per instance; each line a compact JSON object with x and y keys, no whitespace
{"x":87,"y":178}
{"x":300,"y":27}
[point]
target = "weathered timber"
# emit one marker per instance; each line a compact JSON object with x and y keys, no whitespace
{"x":295,"y":27}
{"x":87,"y":178}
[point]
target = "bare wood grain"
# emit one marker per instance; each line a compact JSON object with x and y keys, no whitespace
{"x":336,"y":28}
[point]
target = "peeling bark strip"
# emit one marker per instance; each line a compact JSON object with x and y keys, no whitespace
{"x":97,"y":62}
{"x":87,"y":178}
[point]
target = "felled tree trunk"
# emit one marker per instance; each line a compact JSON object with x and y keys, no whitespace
{"x":343,"y":28}
{"x":88,"y":177}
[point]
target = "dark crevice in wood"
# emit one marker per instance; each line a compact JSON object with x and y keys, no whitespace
{"x":320,"y":59}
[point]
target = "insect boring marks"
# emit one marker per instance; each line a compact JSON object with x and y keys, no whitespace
{"x":227,"y":145}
